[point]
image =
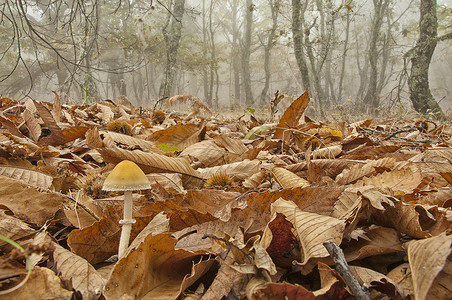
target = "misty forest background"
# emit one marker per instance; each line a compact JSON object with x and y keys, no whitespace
{"x":375,"y":57}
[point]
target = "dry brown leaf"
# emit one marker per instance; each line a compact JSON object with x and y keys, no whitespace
{"x":43,"y":283}
{"x":152,"y":270}
{"x":379,"y":240}
{"x":196,"y":103}
{"x":291,"y":117}
{"x":47,"y":118}
{"x":262,"y":259}
{"x":401,"y":181}
{"x":327,"y":152}
{"x":130,"y":141}
{"x":332,"y":287}
{"x":208,"y":153}
{"x":197,"y":271}
{"x":238,"y":170}
{"x":73,"y":133}
{"x":370,"y":152}
{"x":168,"y":181}
{"x":81,"y":211}
{"x":376,"y":198}
{"x":332,"y":167}
{"x":415,"y":220}
{"x":257,"y":214}
{"x":255,"y":180}
{"x":6,"y":123}
{"x":28,"y":204}
{"x":401,"y":275}
{"x":427,"y":258}
{"x":226,"y":280}
{"x":150,"y":162}
{"x":106,"y":114}
{"x":78,"y":272}
{"x":438,"y":155}
{"x":13,"y":228}
{"x":98,"y":242}
{"x":159,"y":224}
{"x":28,"y":177}
{"x":181,"y":135}
{"x":372,"y":279}
{"x":288,"y":179}
{"x":34,"y":128}
{"x":347,"y":204}
{"x":283,"y":291}
{"x":233,"y":145}
{"x":179,"y":213}
{"x":93,"y":139}
{"x":332,"y":284}
{"x":441,"y":286}
{"x":357,"y":171}
{"x":193,"y":238}
{"x":312,"y":229}
{"x":57,"y":109}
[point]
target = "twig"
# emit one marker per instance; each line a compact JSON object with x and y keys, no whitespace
{"x":393,"y":135}
{"x":397,"y":132}
{"x":158,"y":101}
{"x":360,"y":292}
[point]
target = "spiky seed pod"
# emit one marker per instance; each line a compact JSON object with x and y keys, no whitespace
{"x":158,"y":117}
{"x":219,"y":179}
{"x":421,"y":125}
{"x":91,"y":184}
{"x":311,"y":142}
{"x":120,"y":126}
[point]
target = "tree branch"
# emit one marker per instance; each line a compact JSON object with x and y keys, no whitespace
{"x":360,"y":292}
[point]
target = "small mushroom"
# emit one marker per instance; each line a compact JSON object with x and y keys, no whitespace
{"x":127,"y":177}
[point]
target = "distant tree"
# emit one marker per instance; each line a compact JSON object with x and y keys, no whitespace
{"x":172,"y":31}
{"x":268,"y":45}
{"x":298,"y":12}
{"x":371,"y":100}
{"x":421,"y":55}
{"x":246,"y":52}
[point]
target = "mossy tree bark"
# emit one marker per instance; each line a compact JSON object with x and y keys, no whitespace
{"x":298,"y":10}
{"x":421,"y":55}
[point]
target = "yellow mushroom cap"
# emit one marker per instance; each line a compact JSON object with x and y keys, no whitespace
{"x":126,"y":176}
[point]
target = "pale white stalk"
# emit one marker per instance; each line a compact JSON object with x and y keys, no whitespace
{"x":126,"y":224}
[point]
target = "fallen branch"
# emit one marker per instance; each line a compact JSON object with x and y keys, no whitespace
{"x":394,"y":135}
{"x":360,"y":292}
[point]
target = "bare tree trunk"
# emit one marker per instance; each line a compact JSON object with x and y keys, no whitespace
{"x":371,"y":99}
{"x":172,"y":37}
{"x":298,"y":11}
{"x":246,"y":52}
{"x":422,"y":53}
{"x":207,"y":84}
{"x":235,"y":55}
{"x":344,"y":56}
{"x":214,"y":77}
{"x":274,"y":7}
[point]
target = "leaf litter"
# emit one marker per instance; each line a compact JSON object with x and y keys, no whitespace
{"x":238,"y":209}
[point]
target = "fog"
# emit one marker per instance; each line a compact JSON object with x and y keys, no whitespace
{"x":231,"y":54}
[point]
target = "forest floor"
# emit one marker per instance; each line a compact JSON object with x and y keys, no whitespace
{"x":292,"y":208}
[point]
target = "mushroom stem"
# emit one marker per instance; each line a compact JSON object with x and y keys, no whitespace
{"x":126,"y":224}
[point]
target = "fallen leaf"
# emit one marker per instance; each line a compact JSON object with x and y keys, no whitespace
{"x":43,"y":283}
{"x":427,"y":258}
{"x":291,"y":117}
{"x":78,"y":272}
{"x":153,"y":269}
{"x":312,"y":229}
